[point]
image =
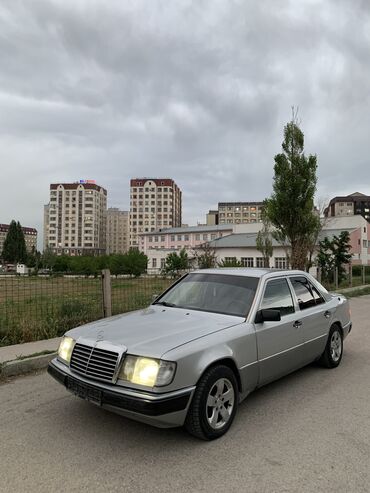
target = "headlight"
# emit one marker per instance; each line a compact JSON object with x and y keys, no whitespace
{"x":147,"y":371}
{"x":65,"y":349}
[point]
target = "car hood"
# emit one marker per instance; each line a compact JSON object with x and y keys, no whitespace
{"x":155,"y":330}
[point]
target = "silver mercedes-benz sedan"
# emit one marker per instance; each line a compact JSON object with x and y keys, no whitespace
{"x":203,"y":345}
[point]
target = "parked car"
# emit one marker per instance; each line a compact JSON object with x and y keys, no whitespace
{"x":202,"y":346}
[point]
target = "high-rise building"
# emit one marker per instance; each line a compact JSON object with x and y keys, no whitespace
{"x":76,"y":218}
{"x":349,"y":205}
{"x":239,"y":212}
{"x":30,"y":237}
{"x":118,"y":230}
{"x":155,"y":203}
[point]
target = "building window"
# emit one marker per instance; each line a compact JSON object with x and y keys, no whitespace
{"x":247,"y":261}
{"x":260,"y":262}
{"x":156,"y":239}
{"x":163,"y":263}
{"x":154,"y":263}
{"x":179,"y":237}
{"x":172,"y":237}
{"x":197,"y":237}
{"x":231,"y":260}
{"x":186,"y":237}
{"x":280,"y":262}
{"x":163,"y":238}
{"x":205,"y":237}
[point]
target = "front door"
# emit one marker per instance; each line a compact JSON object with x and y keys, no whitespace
{"x":280,"y":343}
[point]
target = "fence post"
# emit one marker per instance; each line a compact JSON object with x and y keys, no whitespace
{"x":363,"y":275}
{"x":107,"y":292}
{"x":350,"y":274}
{"x":336,"y":278}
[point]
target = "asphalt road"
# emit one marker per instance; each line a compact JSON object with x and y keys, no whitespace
{"x":308,"y":432}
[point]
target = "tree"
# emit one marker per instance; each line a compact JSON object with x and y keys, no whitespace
{"x":334,"y":254}
{"x":290,"y":209}
{"x":135,"y":262}
{"x":48,"y":259}
{"x":264,"y":242}
{"x":231,"y":262}
{"x":205,"y":256}
{"x":34,"y":259}
{"x":176,"y":263}
{"x":14,"y":248}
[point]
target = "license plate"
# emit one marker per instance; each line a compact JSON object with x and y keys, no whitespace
{"x":85,"y":391}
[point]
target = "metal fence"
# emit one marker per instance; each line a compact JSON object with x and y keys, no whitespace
{"x":351,"y":276}
{"x":41,"y":307}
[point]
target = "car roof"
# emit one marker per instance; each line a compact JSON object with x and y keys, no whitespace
{"x":249,"y":271}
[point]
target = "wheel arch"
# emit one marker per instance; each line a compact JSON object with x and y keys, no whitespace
{"x":230,"y":363}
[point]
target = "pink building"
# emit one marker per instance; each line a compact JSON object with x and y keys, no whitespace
{"x":184,"y":237}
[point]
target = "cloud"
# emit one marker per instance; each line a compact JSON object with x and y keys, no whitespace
{"x":197,"y":91}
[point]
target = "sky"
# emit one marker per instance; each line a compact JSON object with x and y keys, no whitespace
{"x":198,"y":91}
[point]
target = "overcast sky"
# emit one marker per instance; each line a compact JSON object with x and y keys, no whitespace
{"x":198,"y":91}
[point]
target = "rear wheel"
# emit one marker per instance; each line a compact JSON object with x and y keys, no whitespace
{"x":333,"y":353}
{"x":214,"y":404}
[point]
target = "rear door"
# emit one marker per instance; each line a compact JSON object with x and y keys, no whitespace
{"x":315,"y":316}
{"x":280,"y":343}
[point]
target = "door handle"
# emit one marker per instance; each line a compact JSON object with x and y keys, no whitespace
{"x":297,"y":323}
{"x":327,"y":314}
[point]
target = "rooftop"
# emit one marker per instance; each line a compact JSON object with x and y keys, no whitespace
{"x":190,"y":229}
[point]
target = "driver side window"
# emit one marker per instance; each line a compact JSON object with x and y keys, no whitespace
{"x":277,"y":296}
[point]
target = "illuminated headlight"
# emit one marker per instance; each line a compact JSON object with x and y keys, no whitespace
{"x":147,"y":371}
{"x":65,"y":349}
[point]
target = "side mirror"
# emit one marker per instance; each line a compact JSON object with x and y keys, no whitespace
{"x":267,"y":316}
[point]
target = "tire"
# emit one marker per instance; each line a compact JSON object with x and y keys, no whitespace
{"x":332,"y":355}
{"x":214,"y":404}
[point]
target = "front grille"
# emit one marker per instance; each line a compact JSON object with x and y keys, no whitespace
{"x":94,"y":362}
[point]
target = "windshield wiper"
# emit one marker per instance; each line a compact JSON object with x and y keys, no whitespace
{"x":164,"y":303}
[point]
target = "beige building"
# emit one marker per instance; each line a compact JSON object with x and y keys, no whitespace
{"x":118,"y":231}
{"x":30,"y":237}
{"x":235,"y":213}
{"x":155,"y":203}
{"x":354,"y":204}
{"x":239,"y":212}
{"x":75,"y":219}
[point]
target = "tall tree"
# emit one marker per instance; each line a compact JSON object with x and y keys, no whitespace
{"x":290,"y":209}
{"x":14,"y":248}
{"x":264,"y":242}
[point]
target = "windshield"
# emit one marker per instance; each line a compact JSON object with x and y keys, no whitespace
{"x":218,"y":293}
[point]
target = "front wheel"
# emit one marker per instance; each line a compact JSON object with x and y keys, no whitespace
{"x":333,"y":353}
{"x":214,"y":404}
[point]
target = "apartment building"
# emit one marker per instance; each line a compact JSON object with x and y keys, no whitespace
{"x":354,"y":204}
{"x":30,"y":237}
{"x":155,"y":203}
{"x":235,"y":213}
{"x":75,"y":219}
{"x":118,"y":230}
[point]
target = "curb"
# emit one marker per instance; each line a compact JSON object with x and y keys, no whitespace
{"x":27,"y":365}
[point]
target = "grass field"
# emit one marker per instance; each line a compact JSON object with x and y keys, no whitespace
{"x":34,"y":308}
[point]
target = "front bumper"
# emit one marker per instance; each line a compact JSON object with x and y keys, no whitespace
{"x":162,"y":410}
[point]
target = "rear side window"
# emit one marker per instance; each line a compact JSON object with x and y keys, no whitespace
{"x":306,"y":293}
{"x":277,"y":296}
